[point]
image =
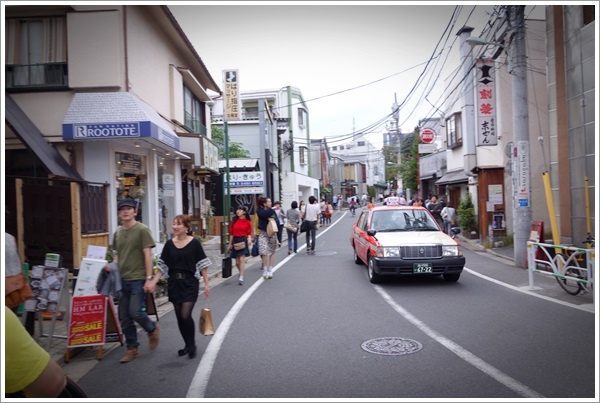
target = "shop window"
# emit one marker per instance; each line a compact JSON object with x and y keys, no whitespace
{"x":166,"y":196}
{"x":132,"y":181}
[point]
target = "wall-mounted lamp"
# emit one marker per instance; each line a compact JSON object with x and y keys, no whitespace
{"x":136,"y":144}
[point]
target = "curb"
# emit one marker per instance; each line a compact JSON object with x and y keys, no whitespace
{"x":470,"y":244}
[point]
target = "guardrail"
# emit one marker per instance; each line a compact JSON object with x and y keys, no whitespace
{"x":558,"y":259}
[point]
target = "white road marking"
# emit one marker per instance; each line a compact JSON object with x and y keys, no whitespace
{"x":586,"y":308}
{"x":512,"y":384}
{"x":201,"y":378}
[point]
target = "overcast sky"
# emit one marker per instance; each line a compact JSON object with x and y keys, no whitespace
{"x":326,"y":49}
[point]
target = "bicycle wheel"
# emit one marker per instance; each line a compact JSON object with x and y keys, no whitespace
{"x":570,"y":282}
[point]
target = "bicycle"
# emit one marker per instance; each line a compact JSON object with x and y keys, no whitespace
{"x":575,"y":276}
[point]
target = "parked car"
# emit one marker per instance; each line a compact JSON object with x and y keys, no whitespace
{"x":403,"y":240}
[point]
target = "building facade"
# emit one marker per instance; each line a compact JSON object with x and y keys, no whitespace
{"x":284,"y":149}
{"x":478,"y":131}
{"x":122,"y":96}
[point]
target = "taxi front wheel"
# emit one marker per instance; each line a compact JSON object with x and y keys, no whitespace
{"x":374,"y":278}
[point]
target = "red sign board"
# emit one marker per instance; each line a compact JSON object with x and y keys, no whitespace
{"x":427,"y":135}
{"x":88,"y":321}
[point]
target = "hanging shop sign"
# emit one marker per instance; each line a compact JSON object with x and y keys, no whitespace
{"x":232,"y":95}
{"x":486,"y":103}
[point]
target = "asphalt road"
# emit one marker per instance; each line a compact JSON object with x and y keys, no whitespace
{"x":319,"y":329}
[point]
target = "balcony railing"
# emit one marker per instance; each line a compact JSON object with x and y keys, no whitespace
{"x":35,"y":76}
{"x":194,"y":124}
{"x":245,"y":116}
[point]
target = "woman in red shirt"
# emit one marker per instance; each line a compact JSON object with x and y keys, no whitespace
{"x":240,"y":230}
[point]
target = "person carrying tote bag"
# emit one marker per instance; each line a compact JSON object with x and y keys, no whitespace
{"x":293,"y":216}
{"x":267,"y":244}
{"x":240,"y":234}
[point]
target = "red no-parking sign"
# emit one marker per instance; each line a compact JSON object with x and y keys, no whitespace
{"x":427,"y":135}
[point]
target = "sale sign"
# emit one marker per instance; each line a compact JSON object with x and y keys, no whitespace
{"x":87,"y":326}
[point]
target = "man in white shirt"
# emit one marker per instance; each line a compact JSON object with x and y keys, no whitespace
{"x":313,"y":211}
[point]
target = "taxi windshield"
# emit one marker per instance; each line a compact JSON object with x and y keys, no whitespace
{"x":402,"y":220}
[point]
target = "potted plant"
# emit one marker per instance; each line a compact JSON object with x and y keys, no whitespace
{"x":466,"y":216}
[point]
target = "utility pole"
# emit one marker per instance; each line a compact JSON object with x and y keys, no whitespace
{"x":521,"y":157}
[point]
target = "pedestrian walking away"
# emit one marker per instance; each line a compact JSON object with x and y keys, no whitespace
{"x":293,"y":216}
{"x":449,"y":217}
{"x":327,"y":213}
{"x":313,"y":211}
{"x":240,"y":231}
{"x":436,"y":210}
{"x":267,"y":245}
{"x":281,"y":216}
{"x":302,"y":210}
{"x":183,"y":262}
{"x":132,"y":250}
{"x":352,"y":205}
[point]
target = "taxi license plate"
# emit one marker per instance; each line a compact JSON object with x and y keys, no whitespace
{"x":422,"y":268}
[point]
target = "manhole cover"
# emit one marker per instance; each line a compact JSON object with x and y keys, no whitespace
{"x":326,"y":253}
{"x":391,"y":346}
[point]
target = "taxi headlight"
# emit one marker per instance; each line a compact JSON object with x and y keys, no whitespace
{"x":450,"y":250}
{"x":393,"y":251}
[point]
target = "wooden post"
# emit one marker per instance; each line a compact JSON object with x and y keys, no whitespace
{"x":19,"y":236}
{"x":76,"y":220}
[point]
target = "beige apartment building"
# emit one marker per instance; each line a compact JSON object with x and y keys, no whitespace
{"x":102,"y":102}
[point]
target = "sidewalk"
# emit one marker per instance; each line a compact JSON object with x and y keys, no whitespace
{"x":506,"y":252}
{"x":83,"y":360}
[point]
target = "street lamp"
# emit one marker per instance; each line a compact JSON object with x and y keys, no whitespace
{"x":475,"y":41}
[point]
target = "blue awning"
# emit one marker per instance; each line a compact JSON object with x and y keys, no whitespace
{"x":116,"y":115}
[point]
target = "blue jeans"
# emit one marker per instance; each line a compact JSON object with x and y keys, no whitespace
{"x":311,"y":235}
{"x":132,"y":307}
{"x":293,"y":237}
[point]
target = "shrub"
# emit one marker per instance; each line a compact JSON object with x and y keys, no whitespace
{"x":466,"y":214}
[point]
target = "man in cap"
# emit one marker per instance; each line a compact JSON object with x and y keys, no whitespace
{"x":132,"y":246}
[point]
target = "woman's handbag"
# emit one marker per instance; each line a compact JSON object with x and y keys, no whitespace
{"x":272,"y":228}
{"x":226,"y":267}
{"x":239,"y":245}
{"x":254,"y":252}
{"x":304,"y":226}
{"x":291,"y":227}
{"x":207,"y":328}
{"x":17,"y":290}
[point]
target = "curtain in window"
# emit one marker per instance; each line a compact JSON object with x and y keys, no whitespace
{"x":55,"y":40}
{"x":32,"y":43}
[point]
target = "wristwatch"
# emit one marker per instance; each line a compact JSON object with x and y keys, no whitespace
{"x":149,"y":277}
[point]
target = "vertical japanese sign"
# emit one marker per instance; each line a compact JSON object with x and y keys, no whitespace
{"x":232,"y":95}
{"x":486,"y":103}
{"x":521,"y":158}
{"x":88,"y":321}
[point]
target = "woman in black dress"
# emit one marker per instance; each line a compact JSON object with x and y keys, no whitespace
{"x":183,"y":262}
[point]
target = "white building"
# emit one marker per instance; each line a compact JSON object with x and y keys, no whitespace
{"x":283,"y":150}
